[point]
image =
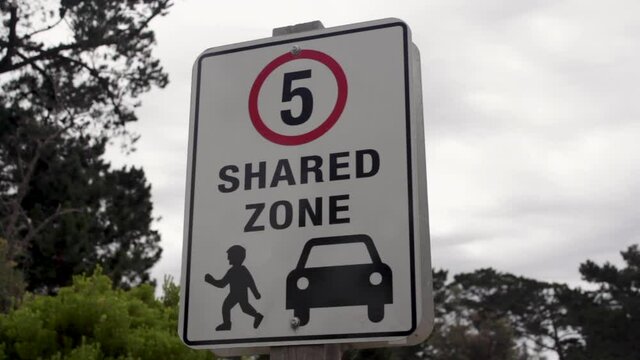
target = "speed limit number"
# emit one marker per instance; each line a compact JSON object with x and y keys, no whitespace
{"x":293,"y":132}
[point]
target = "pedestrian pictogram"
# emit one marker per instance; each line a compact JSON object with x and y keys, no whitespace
{"x":240,"y":281}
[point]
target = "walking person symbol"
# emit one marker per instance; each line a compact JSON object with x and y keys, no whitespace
{"x":240,"y":281}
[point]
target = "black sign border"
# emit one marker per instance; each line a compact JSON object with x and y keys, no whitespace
{"x":248,"y":341}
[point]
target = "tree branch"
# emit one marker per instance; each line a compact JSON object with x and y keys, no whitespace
{"x":33,"y":231}
{"x":44,"y":74}
{"x":113,"y":97}
{"x":48,"y":27}
{"x":22,"y":189}
{"x":157,"y":11}
{"x":13,"y":38}
{"x":55,"y":51}
{"x":539,"y":342}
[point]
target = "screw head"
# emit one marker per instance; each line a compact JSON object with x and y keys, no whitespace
{"x":296,"y":50}
{"x":295,"y":323}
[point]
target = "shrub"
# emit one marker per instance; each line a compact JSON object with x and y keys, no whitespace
{"x":91,"y":320}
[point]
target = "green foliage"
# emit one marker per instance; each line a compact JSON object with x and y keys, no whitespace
{"x":11,"y":282}
{"x":90,"y":320}
{"x":171,"y":291}
{"x":480,"y":315}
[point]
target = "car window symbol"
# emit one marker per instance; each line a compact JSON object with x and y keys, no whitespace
{"x":339,"y":254}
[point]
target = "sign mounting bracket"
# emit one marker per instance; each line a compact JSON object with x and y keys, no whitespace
{"x":298,"y":28}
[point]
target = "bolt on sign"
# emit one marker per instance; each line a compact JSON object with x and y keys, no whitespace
{"x":306,"y":213}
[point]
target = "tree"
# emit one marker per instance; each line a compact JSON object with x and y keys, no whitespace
{"x":113,"y":227}
{"x":538,"y":311}
{"x":90,"y":320}
{"x":488,"y":314}
{"x":61,"y":103}
{"x":463,"y":330}
{"x":11,"y":282}
{"x":609,"y":317}
{"x":476,"y":338}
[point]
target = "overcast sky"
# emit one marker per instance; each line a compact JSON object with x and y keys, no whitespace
{"x":532,"y":122}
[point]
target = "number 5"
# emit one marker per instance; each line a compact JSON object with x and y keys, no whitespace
{"x":304,"y":94}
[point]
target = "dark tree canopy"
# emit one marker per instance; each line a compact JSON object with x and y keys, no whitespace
{"x":462,"y":330}
{"x":609,"y":317}
{"x":109,"y":222}
{"x":487,"y":314}
{"x":538,"y":311}
{"x":71,"y":73}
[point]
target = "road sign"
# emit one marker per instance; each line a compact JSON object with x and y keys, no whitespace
{"x":306,"y":213}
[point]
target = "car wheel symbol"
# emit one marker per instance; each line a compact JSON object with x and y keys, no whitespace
{"x":302,"y":315}
{"x":375,"y":312}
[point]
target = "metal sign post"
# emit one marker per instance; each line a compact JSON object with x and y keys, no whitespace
{"x":307,"y":352}
{"x":306,"y":225}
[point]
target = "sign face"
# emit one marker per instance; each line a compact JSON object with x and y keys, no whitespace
{"x":305,"y":218}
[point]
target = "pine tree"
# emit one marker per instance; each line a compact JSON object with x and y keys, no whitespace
{"x":63,"y":209}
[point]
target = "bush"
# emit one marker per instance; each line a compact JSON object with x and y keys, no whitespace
{"x":91,"y":320}
{"x":11,"y":282}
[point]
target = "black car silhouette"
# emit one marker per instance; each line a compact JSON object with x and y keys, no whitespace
{"x":343,"y":285}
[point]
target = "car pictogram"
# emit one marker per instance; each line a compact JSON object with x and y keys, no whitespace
{"x":368,"y":284}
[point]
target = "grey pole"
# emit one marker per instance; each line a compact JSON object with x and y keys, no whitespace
{"x":309,"y":352}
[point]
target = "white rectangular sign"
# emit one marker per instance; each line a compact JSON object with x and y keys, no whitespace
{"x":306,"y":217}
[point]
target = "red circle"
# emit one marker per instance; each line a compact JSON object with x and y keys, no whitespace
{"x":281,"y":139}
